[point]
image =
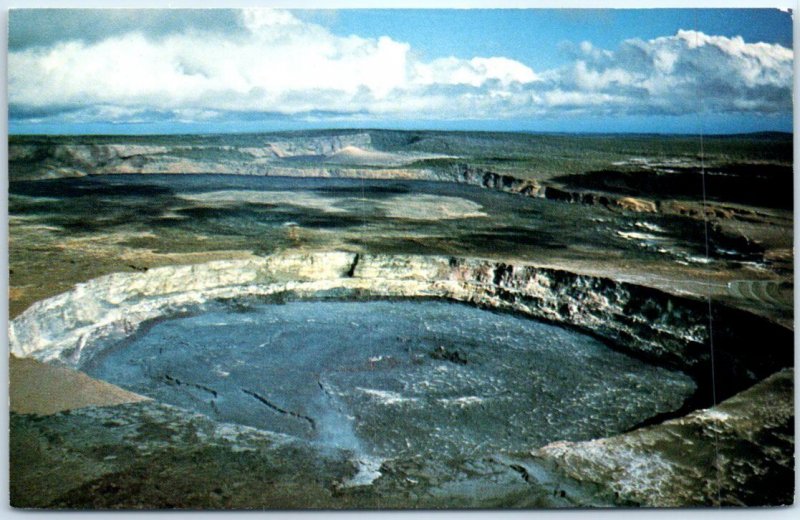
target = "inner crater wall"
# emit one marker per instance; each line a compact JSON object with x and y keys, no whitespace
{"x":659,"y":327}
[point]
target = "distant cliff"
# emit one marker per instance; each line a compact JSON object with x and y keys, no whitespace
{"x":622,"y":173}
{"x":329,"y":155}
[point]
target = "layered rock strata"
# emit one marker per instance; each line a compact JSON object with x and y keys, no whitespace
{"x":747,"y":437}
{"x":645,"y":322}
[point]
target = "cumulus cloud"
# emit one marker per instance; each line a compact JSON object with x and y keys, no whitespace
{"x":475,"y":72}
{"x":280,"y":64}
{"x":44,"y":27}
{"x":690,"y":72}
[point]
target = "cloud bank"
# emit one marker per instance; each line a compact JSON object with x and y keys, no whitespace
{"x":278,"y":65}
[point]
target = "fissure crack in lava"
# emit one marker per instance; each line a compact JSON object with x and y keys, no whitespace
{"x":272,"y":406}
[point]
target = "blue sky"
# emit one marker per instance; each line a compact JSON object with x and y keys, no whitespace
{"x":536,"y":36}
{"x":650,"y":70}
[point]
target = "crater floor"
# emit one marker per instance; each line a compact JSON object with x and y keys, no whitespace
{"x":393,"y":378}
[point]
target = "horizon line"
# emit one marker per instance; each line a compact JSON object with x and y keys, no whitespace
{"x":403,"y":130}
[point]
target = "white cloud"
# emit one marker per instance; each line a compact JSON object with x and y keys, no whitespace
{"x":687,"y":72}
{"x":280,"y":55}
{"x":257,"y":20}
{"x":281,"y":64}
{"x":592,"y":80}
{"x":475,"y":72}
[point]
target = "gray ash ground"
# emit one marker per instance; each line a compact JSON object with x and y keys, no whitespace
{"x":181,"y":213}
{"x":386,"y":379}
